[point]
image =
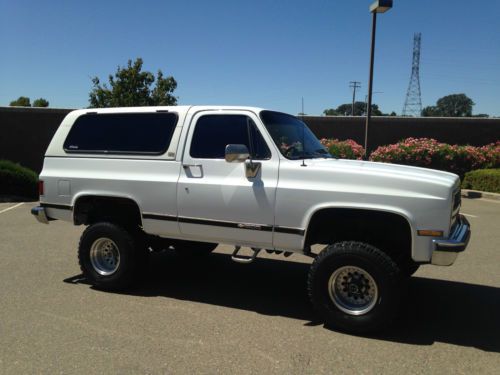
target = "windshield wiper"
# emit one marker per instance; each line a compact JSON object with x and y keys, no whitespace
{"x":312,"y":155}
{"x":322,"y":153}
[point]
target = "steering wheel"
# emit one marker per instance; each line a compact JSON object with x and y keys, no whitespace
{"x":291,"y":150}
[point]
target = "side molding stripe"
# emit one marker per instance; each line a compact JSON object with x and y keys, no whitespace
{"x":58,"y":206}
{"x":288,"y":230}
{"x":159,"y":217}
{"x":225,"y":224}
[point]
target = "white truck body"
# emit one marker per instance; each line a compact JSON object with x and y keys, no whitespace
{"x":211,"y":200}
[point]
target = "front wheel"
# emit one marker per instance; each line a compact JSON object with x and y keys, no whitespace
{"x":354,"y":286}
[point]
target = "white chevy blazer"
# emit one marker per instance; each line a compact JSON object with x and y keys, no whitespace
{"x":191,"y":177}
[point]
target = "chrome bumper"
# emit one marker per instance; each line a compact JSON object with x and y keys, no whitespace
{"x":446,"y":249}
{"x":40,"y":214}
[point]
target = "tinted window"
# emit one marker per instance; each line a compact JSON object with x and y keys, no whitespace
{"x":121,"y":133}
{"x":214,"y":132}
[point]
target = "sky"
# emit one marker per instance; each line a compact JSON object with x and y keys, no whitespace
{"x":261,"y":53}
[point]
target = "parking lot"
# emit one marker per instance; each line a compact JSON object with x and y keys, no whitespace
{"x":217,"y":316}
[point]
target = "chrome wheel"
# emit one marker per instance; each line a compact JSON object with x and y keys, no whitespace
{"x":353,"y":290}
{"x":104,"y":256}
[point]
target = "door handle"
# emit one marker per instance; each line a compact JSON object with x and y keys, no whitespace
{"x":193,"y":170}
{"x":186,"y":166}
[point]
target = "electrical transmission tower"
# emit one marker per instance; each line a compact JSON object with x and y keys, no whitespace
{"x":413,"y":102}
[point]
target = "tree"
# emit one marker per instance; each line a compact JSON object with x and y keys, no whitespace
{"x":454,"y":105}
{"x":131,"y":87}
{"x":346,"y":110}
{"x":22,"y":101}
{"x":431,"y":111}
{"x":41,"y":102}
{"x":330,"y":112}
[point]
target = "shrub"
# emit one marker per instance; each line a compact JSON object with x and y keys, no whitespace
{"x":429,"y":153}
{"x":17,"y":180}
{"x":483,"y":179}
{"x":347,"y":149}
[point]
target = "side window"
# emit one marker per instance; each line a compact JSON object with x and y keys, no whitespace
{"x":214,"y":132}
{"x":121,"y":133}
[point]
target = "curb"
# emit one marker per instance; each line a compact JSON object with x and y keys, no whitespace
{"x":474,"y":194}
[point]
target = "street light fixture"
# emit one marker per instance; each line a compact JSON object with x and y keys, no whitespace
{"x":379,"y":6}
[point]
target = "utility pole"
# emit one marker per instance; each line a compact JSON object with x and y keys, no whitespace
{"x":354,"y":85}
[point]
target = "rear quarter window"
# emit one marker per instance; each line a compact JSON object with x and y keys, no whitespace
{"x":121,"y":133}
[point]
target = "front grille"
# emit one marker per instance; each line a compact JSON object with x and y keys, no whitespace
{"x":457,"y":200}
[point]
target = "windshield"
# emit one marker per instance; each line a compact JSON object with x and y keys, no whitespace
{"x":292,"y":136}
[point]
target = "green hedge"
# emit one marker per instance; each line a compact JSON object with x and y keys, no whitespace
{"x":17,"y":180}
{"x":483,"y":179}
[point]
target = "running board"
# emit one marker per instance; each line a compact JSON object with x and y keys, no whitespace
{"x":244,"y":259}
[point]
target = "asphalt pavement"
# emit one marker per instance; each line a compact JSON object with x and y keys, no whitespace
{"x":217,"y":316}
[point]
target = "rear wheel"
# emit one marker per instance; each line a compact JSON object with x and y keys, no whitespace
{"x":110,"y":257}
{"x":354,"y":286}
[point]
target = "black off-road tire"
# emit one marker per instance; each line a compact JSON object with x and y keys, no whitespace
{"x":127,"y":243}
{"x":378,"y":265}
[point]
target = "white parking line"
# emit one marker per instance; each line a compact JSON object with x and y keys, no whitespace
{"x":11,"y":208}
{"x":469,"y":215}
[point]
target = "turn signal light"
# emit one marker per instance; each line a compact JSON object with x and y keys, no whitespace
{"x":430,"y":233}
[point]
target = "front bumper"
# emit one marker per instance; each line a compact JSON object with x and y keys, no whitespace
{"x":40,"y":214}
{"x":446,"y":249}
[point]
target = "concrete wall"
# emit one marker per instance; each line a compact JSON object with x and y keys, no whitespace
{"x":25,"y":133}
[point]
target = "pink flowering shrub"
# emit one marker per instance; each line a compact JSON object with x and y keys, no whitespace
{"x":429,"y":153}
{"x":347,"y":149}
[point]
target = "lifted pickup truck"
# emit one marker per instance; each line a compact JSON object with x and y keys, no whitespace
{"x":191,"y":177}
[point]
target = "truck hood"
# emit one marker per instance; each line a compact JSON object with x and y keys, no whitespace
{"x":387,"y":169}
{"x":376,"y":178}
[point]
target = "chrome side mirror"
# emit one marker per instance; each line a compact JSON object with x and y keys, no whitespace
{"x":236,"y":153}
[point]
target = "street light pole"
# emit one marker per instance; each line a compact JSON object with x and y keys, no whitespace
{"x":379,"y":6}
{"x":366,"y":99}
{"x":370,"y":82}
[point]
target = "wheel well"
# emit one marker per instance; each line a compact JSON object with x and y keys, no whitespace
{"x":91,"y":209}
{"x":387,"y":231}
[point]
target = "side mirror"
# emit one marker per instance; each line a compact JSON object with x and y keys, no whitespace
{"x":237,"y":153}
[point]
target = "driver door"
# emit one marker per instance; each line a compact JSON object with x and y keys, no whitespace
{"x":216,"y":200}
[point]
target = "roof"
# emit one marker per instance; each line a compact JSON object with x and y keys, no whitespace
{"x":177,"y":108}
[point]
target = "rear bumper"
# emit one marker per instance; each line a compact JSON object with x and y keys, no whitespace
{"x":446,"y":249}
{"x":40,"y":214}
